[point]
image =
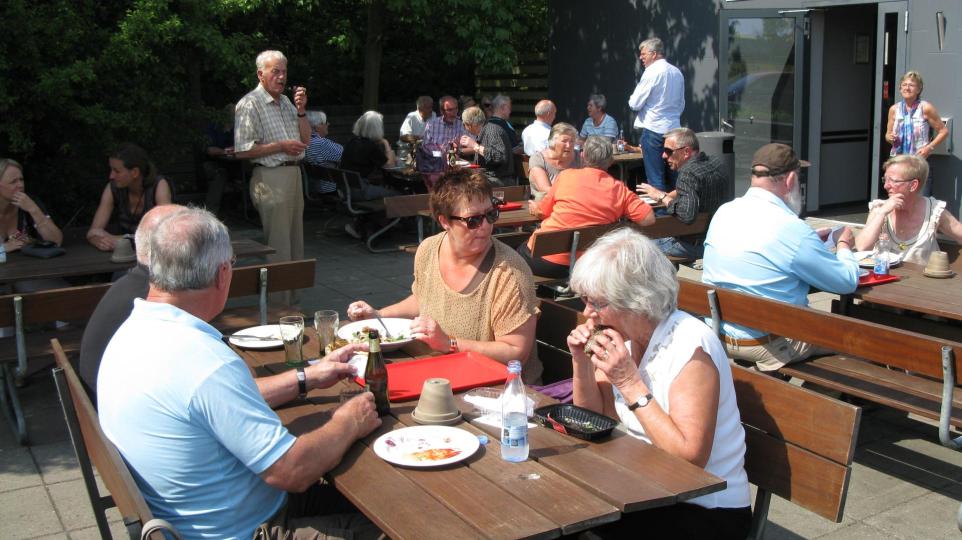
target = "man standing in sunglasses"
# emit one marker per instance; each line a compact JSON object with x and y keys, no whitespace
{"x":700,"y":187}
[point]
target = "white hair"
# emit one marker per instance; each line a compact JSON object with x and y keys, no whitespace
{"x":267,"y":56}
{"x":627,"y":270}
{"x":316,"y":118}
{"x":187,"y":249}
{"x":370,"y":126}
{"x":598,"y":152}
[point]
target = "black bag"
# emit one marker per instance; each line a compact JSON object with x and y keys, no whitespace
{"x":43,"y":249}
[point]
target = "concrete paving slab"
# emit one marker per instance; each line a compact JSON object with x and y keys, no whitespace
{"x":57,"y":462}
{"x":932,"y":516}
{"x":17,"y":469}
{"x":117,"y":530}
{"x":27,"y":513}
{"x":72,"y":504}
{"x":858,"y":531}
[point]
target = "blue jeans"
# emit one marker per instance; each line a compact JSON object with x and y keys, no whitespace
{"x":652,"y":146}
{"x":680,"y":248}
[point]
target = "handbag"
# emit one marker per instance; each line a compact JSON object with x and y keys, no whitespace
{"x":43,"y":250}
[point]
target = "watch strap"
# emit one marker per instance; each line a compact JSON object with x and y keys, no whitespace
{"x":301,"y":382}
{"x":638,"y":404}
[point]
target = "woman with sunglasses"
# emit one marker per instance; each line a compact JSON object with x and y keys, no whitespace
{"x":665,"y":375}
{"x":470,"y":292}
{"x":910,"y":219}
{"x":581,"y":198}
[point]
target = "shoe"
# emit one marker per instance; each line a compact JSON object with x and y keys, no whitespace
{"x":351,"y":231}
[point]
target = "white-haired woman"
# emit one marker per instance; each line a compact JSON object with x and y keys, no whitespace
{"x":910,"y":219}
{"x":665,"y":375}
{"x":911,"y":122}
{"x":491,"y":146}
{"x":545,"y":165}
{"x":367,"y":153}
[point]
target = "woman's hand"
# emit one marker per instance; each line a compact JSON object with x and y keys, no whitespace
{"x":23,"y":201}
{"x":896,"y":201}
{"x":890,"y":137}
{"x":102,"y":240}
{"x":612,"y":358}
{"x":924,"y":151}
{"x":360,"y":310}
{"x":429,"y":331}
{"x":15,"y":242}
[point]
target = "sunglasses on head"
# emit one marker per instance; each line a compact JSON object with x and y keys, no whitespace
{"x":473,"y":222}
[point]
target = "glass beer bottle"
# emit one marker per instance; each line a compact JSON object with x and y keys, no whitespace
{"x":375,"y":374}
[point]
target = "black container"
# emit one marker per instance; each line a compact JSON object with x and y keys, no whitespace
{"x":575,"y":421}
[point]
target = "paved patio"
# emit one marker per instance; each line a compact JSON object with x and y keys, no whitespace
{"x":903,"y":485}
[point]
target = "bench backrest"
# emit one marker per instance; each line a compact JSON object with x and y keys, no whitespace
{"x":67,"y":304}
{"x":410,"y":205}
{"x":799,"y":443}
{"x":885,"y":345}
{"x":281,"y":276}
{"x":93,"y":446}
{"x":555,"y":321}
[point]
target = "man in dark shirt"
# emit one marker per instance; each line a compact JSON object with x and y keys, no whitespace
{"x":115,"y":306}
{"x":700,"y":187}
{"x":500,"y":115}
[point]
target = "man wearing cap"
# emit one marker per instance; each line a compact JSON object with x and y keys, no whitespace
{"x":757,"y":244}
{"x":273,"y":133}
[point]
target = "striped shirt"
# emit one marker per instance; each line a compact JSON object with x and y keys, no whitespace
{"x":260,"y":119}
{"x":438,"y":133}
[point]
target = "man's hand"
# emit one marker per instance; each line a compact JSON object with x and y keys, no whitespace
{"x":845,"y":238}
{"x":333,"y":367}
{"x":292,"y":147}
{"x":300,"y":99}
{"x":360,"y":414}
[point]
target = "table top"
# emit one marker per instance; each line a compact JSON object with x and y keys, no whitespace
{"x":917,"y":292}
{"x":628,"y":156}
{"x":567,"y":485}
{"x":82,"y":259}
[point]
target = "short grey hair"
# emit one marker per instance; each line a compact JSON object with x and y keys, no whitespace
{"x":473,"y":116}
{"x":148,"y":224}
{"x":597,"y":152}
{"x":599,"y":100}
{"x":654,"y":45}
{"x":559,"y":129}
{"x":186,"y":251}
{"x":424,"y":101}
{"x":267,"y":56}
{"x":370,"y":126}
{"x":544,"y":108}
{"x":627,"y":270}
{"x":316,"y":118}
{"x":684,"y":137}
{"x":500,"y":101}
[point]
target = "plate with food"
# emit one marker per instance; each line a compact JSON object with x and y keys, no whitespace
{"x":356,"y":332}
{"x":869,"y":262}
{"x":267,"y":336}
{"x":426,"y":446}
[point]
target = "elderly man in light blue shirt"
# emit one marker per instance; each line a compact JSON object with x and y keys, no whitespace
{"x":659,"y":100}
{"x":757,"y":244}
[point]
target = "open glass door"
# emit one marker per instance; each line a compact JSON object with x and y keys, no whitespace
{"x":761,"y":78}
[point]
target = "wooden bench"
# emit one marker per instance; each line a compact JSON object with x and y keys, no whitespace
{"x":92,"y":446}
{"x":260,"y":280}
{"x":555,"y":321}
{"x":889,"y":366}
{"x":799,"y":445}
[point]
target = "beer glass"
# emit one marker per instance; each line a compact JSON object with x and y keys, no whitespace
{"x":292,"y":334}
{"x":325,"y":324}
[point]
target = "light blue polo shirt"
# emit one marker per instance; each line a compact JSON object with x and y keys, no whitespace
{"x":187,"y":417}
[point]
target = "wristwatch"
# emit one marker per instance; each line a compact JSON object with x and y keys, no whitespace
{"x":301,"y":382}
{"x":643,"y":401}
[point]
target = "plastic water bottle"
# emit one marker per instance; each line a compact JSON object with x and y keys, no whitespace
{"x":514,"y":416}
{"x":882,"y":254}
{"x":621,"y":140}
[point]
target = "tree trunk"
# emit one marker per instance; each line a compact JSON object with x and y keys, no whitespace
{"x":372,"y":55}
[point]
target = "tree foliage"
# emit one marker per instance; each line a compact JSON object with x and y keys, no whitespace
{"x":79,"y":76}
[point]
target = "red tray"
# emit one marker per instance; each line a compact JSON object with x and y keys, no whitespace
{"x":465,"y":370}
{"x":874,"y":279}
{"x":510,"y":206}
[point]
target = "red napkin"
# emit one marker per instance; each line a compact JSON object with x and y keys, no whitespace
{"x":510,"y":206}
{"x":874,"y":279}
{"x":465,"y":370}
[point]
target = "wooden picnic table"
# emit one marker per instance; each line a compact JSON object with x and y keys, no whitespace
{"x":83,"y":259}
{"x":914,"y":292}
{"x":567,"y":485}
{"x":626,"y":161}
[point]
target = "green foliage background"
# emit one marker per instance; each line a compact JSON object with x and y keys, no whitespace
{"x":79,"y":76}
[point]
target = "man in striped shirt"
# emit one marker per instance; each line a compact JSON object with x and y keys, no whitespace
{"x":273,"y":133}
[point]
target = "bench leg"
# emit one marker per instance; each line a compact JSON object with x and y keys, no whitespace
{"x":763,"y":499}
{"x":948,"y":386}
{"x":11,"y":404}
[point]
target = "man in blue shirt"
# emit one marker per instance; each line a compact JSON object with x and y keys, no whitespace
{"x":207,"y":451}
{"x":757,"y":244}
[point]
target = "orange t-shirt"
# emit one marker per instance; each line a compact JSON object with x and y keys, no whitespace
{"x":583,"y":197}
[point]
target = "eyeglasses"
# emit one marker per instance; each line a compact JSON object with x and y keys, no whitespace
{"x":473,"y":222}
{"x":670,"y":151}
{"x":890,"y":180}
{"x":486,"y":105}
{"x":596,"y":306}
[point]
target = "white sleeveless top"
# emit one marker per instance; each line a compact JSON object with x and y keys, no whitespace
{"x":918,"y":248}
{"x":671,"y":347}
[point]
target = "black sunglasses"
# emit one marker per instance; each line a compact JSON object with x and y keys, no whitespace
{"x":473,"y":222}
{"x":670,"y":151}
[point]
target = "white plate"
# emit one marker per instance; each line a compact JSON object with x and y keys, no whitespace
{"x":398,"y":327}
{"x":412,"y":446}
{"x":268,"y":330}
{"x":461,"y":163}
{"x":869,"y":262}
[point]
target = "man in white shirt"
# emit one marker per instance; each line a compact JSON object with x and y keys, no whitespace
{"x":659,"y":100}
{"x":535,"y":136}
{"x":415,"y":122}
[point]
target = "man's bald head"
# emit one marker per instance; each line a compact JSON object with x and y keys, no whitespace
{"x":148,"y":224}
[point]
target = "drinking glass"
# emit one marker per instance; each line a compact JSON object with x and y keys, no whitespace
{"x":325,"y":324}
{"x":292,"y":334}
{"x":498,"y":195}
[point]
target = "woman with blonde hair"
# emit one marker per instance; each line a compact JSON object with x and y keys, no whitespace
{"x":911,"y":122}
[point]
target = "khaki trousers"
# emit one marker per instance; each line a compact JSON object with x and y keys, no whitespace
{"x":278,"y":196}
{"x":304,"y":518}
{"x":771,"y":356}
